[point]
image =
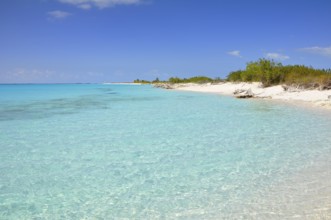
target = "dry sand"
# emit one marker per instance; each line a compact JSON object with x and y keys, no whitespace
{"x":316,"y":97}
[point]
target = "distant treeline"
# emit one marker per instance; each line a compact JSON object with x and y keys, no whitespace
{"x":269,"y":73}
{"x":196,"y":79}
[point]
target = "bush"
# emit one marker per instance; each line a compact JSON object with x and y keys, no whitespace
{"x":235,"y":76}
{"x":270,"y":73}
{"x":175,"y":80}
{"x":141,"y":81}
{"x":196,"y":79}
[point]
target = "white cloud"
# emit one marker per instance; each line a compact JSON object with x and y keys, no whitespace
{"x":87,"y":4}
{"x":235,"y":53}
{"x":58,"y":14}
{"x":277,"y":56}
{"x":32,"y":73}
{"x":22,"y":75}
{"x":325,"y":51}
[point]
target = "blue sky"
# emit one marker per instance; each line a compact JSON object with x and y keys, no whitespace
{"x":63,"y":41}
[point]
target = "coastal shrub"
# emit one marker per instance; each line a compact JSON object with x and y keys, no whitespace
{"x":175,"y":80}
{"x":217,"y":80}
{"x":307,"y":77}
{"x":199,"y":79}
{"x":235,"y":76}
{"x":141,"y":81}
{"x":265,"y":71}
{"x":196,"y":79}
{"x":157,"y":80}
{"x":268,"y":72}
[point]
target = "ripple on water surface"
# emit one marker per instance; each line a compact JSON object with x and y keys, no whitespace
{"x":133,"y":152}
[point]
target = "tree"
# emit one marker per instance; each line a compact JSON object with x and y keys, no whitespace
{"x":156,"y":80}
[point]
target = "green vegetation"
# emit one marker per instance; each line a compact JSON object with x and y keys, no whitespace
{"x":141,"y":81}
{"x":173,"y":80}
{"x":268,"y":72}
{"x":146,"y":81}
{"x":271,"y":73}
{"x":196,"y":79}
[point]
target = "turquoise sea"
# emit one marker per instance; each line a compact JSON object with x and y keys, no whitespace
{"x":98,"y":151}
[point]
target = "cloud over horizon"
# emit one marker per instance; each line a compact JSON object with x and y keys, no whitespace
{"x":23,"y":75}
{"x":324,"y":51}
{"x":277,"y":56}
{"x":87,"y":4}
{"x":57,"y":14}
{"x":235,"y":53}
{"x":39,"y":75}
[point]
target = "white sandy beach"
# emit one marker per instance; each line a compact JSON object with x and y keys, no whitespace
{"x":316,"y":97}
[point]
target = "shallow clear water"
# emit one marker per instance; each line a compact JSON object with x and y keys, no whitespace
{"x":135,"y":152}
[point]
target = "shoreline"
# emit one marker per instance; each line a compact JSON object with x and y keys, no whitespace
{"x":320,"y":98}
{"x":306,"y":194}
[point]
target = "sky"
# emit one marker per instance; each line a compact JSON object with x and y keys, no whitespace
{"x":95,"y":41}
